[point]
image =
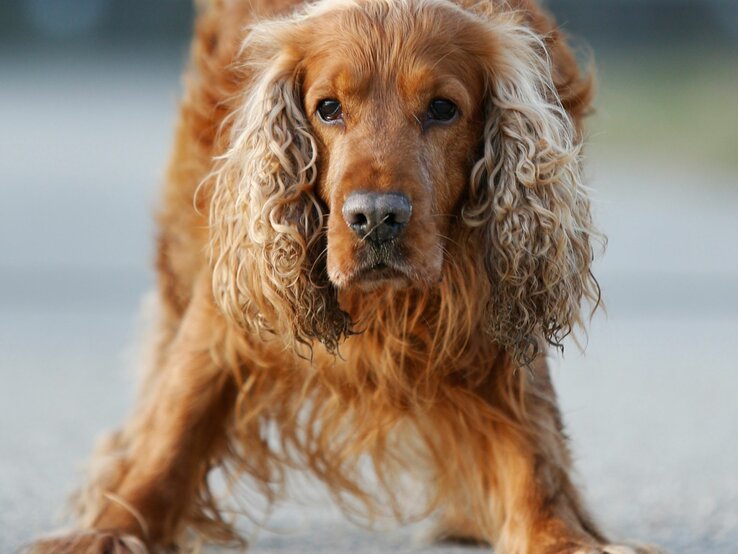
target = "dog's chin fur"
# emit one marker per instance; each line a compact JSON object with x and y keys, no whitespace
{"x":371,"y":283}
{"x":277,"y":351}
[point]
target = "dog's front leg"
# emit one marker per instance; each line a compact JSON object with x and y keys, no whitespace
{"x":510,"y":482}
{"x":143,"y":495}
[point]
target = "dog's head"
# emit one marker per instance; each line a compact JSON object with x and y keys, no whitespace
{"x":377,"y":143}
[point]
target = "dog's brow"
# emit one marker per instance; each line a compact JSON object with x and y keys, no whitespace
{"x":325,"y":78}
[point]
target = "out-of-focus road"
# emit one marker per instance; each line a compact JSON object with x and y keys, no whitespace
{"x":652,"y":408}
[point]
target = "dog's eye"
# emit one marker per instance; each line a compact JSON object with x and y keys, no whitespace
{"x":441,"y":109}
{"x":329,"y":110}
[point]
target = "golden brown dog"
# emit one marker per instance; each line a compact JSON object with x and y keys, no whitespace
{"x":374,"y":223}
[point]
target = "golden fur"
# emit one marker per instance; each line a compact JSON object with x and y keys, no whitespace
{"x":272,"y":352}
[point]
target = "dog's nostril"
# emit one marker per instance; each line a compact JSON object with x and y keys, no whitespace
{"x":379,"y":217}
{"x":359,"y":219}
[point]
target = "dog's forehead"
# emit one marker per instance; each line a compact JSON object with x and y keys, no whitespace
{"x":372,"y":32}
{"x":416,"y":44}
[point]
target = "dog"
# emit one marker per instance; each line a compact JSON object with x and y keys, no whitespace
{"x":374,"y":228}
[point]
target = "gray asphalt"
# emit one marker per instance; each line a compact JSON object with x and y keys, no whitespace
{"x":651,"y":407}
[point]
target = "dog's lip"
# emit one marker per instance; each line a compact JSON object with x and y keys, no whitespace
{"x":379,"y":272}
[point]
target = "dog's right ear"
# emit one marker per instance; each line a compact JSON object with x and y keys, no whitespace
{"x":266,"y":222}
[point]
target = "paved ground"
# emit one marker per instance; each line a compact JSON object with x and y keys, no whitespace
{"x":651,"y":408}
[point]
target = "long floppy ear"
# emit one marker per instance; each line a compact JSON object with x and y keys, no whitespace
{"x":528,"y":201}
{"x":266,"y":223}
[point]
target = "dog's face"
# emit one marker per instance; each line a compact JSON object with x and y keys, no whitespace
{"x":398,"y":121}
{"x":401,"y":144}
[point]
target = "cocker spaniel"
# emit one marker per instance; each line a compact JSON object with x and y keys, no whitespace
{"x":374,"y":226}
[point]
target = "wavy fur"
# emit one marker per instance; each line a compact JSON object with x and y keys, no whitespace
{"x":527,"y":193}
{"x":266,"y":221}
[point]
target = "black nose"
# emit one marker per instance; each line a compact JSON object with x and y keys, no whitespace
{"x":377,"y":216}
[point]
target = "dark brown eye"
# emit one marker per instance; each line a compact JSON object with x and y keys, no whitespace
{"x":441,"y":109}
{"x":329,"y":110}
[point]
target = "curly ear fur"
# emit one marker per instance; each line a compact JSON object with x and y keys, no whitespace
{"x":266,"y":222}
{"x":528,"y":202}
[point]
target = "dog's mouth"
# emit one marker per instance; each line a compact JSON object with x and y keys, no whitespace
{"x":370,"y":276}
{"x":370,"y":267}
{"x":379,"y":272}
{"x":379,"y":269}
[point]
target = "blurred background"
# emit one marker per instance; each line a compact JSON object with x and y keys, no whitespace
{"x":88,"y":95}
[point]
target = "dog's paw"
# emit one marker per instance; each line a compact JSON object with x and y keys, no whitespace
{"x":631,"y":548}
{"x":87,"y":542}
{"x":452,"y":531}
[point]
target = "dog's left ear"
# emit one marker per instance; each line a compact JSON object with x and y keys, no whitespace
{"x":528,"y":201}
{"x":266,"y":221}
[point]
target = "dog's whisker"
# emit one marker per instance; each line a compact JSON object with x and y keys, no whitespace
{"x":374,"y":228}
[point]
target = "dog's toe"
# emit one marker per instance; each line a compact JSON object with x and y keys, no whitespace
{"x":87,"y":542}
{"x":619,"y":549}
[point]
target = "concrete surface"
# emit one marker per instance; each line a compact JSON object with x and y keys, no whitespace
{"x":652,"y":408}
